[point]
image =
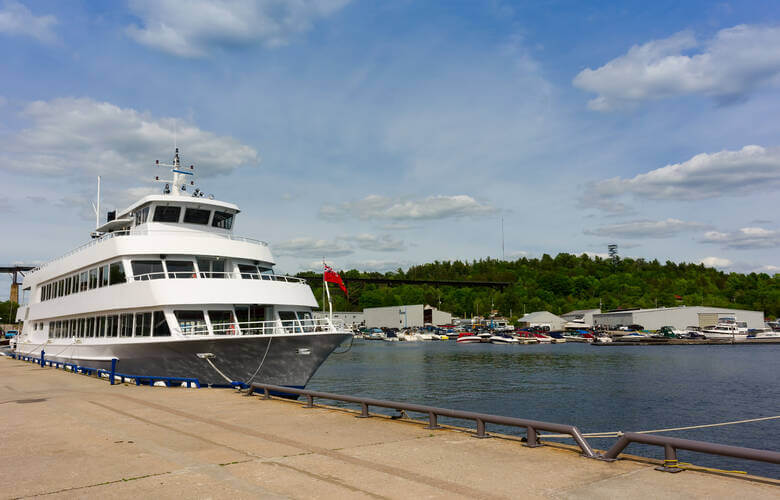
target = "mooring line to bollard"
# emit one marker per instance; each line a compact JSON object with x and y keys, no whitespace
{"x":671,"y":429}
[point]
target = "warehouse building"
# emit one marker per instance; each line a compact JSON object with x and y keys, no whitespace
{"x":405,"y":316}
{"x":677,"y":317}
{"x":581,"y":317}
{"x":542,"y":318}
{"x":348,"y":318}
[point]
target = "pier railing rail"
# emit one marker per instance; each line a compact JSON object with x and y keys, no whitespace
{"x":481,"y":419}
{"x":672,"y":444}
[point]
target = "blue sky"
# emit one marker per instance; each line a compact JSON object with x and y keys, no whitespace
{"x":380,"y":135}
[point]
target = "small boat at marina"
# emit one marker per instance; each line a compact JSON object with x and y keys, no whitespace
{"x":727,"y":329}
{"x":391,"y":337}
{"x":468,"y":338}
{"x":503,"y":339}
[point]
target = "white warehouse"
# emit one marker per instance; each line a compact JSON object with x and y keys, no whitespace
{"x":405,"y":316}
{"x":678,"y":317}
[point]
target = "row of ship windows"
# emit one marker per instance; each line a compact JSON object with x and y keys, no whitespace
{"x":97,"y":277}
{"x":113,"y":274}
{"x":142,"y":324}
{"x":223,"y":220}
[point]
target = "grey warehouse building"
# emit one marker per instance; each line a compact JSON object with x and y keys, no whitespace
{"x":677,"y":317}
{"x":405,"y":316}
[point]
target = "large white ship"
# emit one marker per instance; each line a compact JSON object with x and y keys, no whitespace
{"x":166,"y":289}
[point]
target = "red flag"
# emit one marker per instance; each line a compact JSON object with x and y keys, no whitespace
{"x":332,"y":276}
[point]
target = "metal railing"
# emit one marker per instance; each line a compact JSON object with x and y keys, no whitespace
{"x":672,"y":444}
{"x":314,"y":325}
{"x":146,"y":232}
{"x":217,"y":275}
{"x":481,"y":419}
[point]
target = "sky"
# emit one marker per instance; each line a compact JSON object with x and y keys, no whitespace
{"x":380,"y":135}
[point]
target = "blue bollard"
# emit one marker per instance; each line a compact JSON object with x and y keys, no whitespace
{"x":43,"y":360}
{"x":113,"y":369}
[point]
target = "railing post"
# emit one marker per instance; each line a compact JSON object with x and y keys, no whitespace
{"x":363,"y":411}
{"x":113,"y":370}
{"x":266,"y":394}
{"x":43,"y":358}
{"x":309,"y":401}
{"x":481,"y":429}
{"x":432,"y":423}
{"x":531,"y":438}
{"x":670,"y":460}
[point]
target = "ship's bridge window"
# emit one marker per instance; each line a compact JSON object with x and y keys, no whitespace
{"x":250,"y":318}
{"x":180,"y":268}
{"x":147,"y":270}
{"x":143,"y":324}
{"x":290,"y":321}
{"x":222,"y":322}
{"x":160,"y":325}
{"x":222,"y":220}
{"x":248,"y":272}
{"x":211,"y":268}
{"x":191,"y":322}
{"x":117,"y":273}
{"x":166,"y":214}
{"x":141,"y":215}
{"x":196,"y":216}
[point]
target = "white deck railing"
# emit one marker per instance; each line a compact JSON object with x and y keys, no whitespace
{"x":137,"y":232}
{"x":262,"y":327}
{"x":210,"y":275}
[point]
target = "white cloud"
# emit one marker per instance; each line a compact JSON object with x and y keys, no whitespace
{"x":430,"y":208}
{"x":742,"y":172}
{"x":16,"y":19}
{"x":345,"y":245}
{"x":746,"y":238}
{"x":719,"y":262}
{"x":311,"y":247}
{"x":77,"y":137}
{"x":733,"y":63}
{"x":194,"y":29}
{"x":645,"y":229}
{"x":384,"y":243}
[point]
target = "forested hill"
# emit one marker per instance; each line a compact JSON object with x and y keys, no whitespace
{"x":563,"y":283}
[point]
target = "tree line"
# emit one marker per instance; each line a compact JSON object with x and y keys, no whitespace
{"x":560,"y":284}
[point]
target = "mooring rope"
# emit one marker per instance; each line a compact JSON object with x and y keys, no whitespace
{"x":671,"y":429}
{"x":261,"y":361}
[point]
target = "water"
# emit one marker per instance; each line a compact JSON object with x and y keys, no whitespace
{"x":597,"y":389}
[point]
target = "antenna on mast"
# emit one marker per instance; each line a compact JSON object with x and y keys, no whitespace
{"x":96,"y":206}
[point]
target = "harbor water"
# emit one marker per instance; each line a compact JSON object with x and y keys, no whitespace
{"x":598,"y":389}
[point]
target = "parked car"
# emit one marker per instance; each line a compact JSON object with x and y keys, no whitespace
{"x":636,"y":328}
{"x":11,"y":334}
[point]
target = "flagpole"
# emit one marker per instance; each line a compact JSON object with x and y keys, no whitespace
{"x":327,"y":290}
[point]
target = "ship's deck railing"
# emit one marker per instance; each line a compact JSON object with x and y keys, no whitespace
{"x":220,"y":275}
{"x":294,"y":326}
{"x":145,"y":232}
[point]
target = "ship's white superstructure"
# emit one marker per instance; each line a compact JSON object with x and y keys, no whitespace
{"x":167,"y":289}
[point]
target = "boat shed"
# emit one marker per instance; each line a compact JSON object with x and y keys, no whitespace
{"x":581,"y":316}
{"x":542,"y":318}
{"x":677,"y":317}
{"x":350,"y":319}
{"x":405,"y":316}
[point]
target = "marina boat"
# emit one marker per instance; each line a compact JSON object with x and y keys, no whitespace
{"x":602,"y":338}
{"x":468,"y":338}
{"x":503,"y":339}
{"x":727,"y":329}
{"x":167,"y":289}
{"x":765,"y":334}
{"x":524,"y":337}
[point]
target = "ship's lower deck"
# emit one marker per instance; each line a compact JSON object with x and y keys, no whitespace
{"x":288,"y":360}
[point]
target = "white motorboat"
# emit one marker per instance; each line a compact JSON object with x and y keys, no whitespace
{"x":500,"y":339}
{"x":467,"y":338}
{"x":727,"y":329}
{"x":166,"y":289}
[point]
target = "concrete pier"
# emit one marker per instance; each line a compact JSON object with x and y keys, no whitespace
{"x":73,"y":436}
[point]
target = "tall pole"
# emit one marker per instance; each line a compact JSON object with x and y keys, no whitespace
{"x":97,"y":208}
